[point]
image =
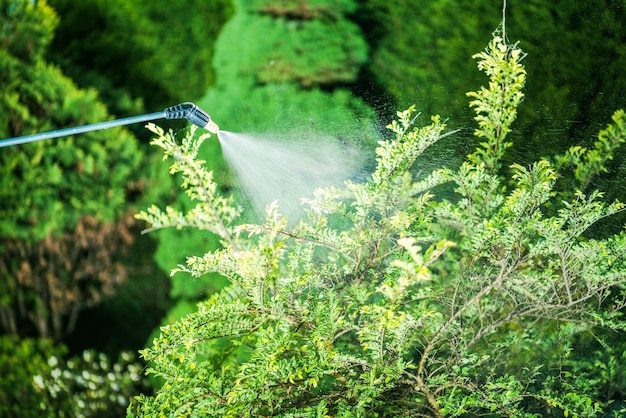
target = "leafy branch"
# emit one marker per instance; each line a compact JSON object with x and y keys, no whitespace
{"x":213,"y":212}
{"x":385,"y":301}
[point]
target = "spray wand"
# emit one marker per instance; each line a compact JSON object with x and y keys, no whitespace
{"x":186,"y":110}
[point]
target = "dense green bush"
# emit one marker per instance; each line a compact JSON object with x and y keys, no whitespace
{"x":139,"y":55}
{"x":307,"y":43}
{"x":64,"y":203}
{"x":385,"y":301}
{"x":280,"y":67}
{"x":46,"y":186}
{"x":60,"y":199}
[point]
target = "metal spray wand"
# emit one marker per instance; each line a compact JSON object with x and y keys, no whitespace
{"x":186,"y":110}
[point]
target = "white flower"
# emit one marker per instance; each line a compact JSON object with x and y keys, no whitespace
{"x":38,"y":380}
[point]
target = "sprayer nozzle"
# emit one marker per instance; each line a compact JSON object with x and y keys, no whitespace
{"x":193,"y":114}
{"x":212,"y":127}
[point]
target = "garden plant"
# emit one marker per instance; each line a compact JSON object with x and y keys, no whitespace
{"x":389,"y":299}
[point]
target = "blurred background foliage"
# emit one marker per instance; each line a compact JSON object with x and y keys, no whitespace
{"x":142,"y":56}
{"x":319,"y":68}
{"x":84,"y":385}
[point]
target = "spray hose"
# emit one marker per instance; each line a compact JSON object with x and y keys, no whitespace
{"x":186,"y":110}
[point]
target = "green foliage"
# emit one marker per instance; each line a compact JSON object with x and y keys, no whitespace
{"x":335,"y":50}
{"x":383,"y":301}
{"x":27,"y":28}
{"x":39,"y":380}
{"x":156,"y":52}
{"x":420,"y":52}
{"x":279,"y":68}
{"x":46,"y":186}
{"x":506,"y":81}
{"x":274,"y":55}
{"x":20,"y":360}
{"x":61,"y":200}
{"x":265,"y":298}
{"x":184,"y":288}
{"x":213,"y":213}
{"x":420,"y":55}
{"x":589,"y":163}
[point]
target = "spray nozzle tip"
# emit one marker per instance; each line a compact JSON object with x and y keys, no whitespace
{"x":212,"y":127}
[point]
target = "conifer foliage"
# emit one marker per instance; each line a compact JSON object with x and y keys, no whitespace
{"x":60,"y":200}
{"x":386,"y":301}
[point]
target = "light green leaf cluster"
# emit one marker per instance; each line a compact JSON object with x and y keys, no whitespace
{"x":496,"y":106}
{"x":383,"y":301}
{"x":213,"y":212}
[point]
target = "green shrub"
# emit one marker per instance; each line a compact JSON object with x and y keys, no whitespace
{"x":61,"y":200}
{"x":46,"y":186}
{"x":384,"y":301}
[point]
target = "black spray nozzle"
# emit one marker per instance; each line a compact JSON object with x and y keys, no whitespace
{"x":193,"y":114}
